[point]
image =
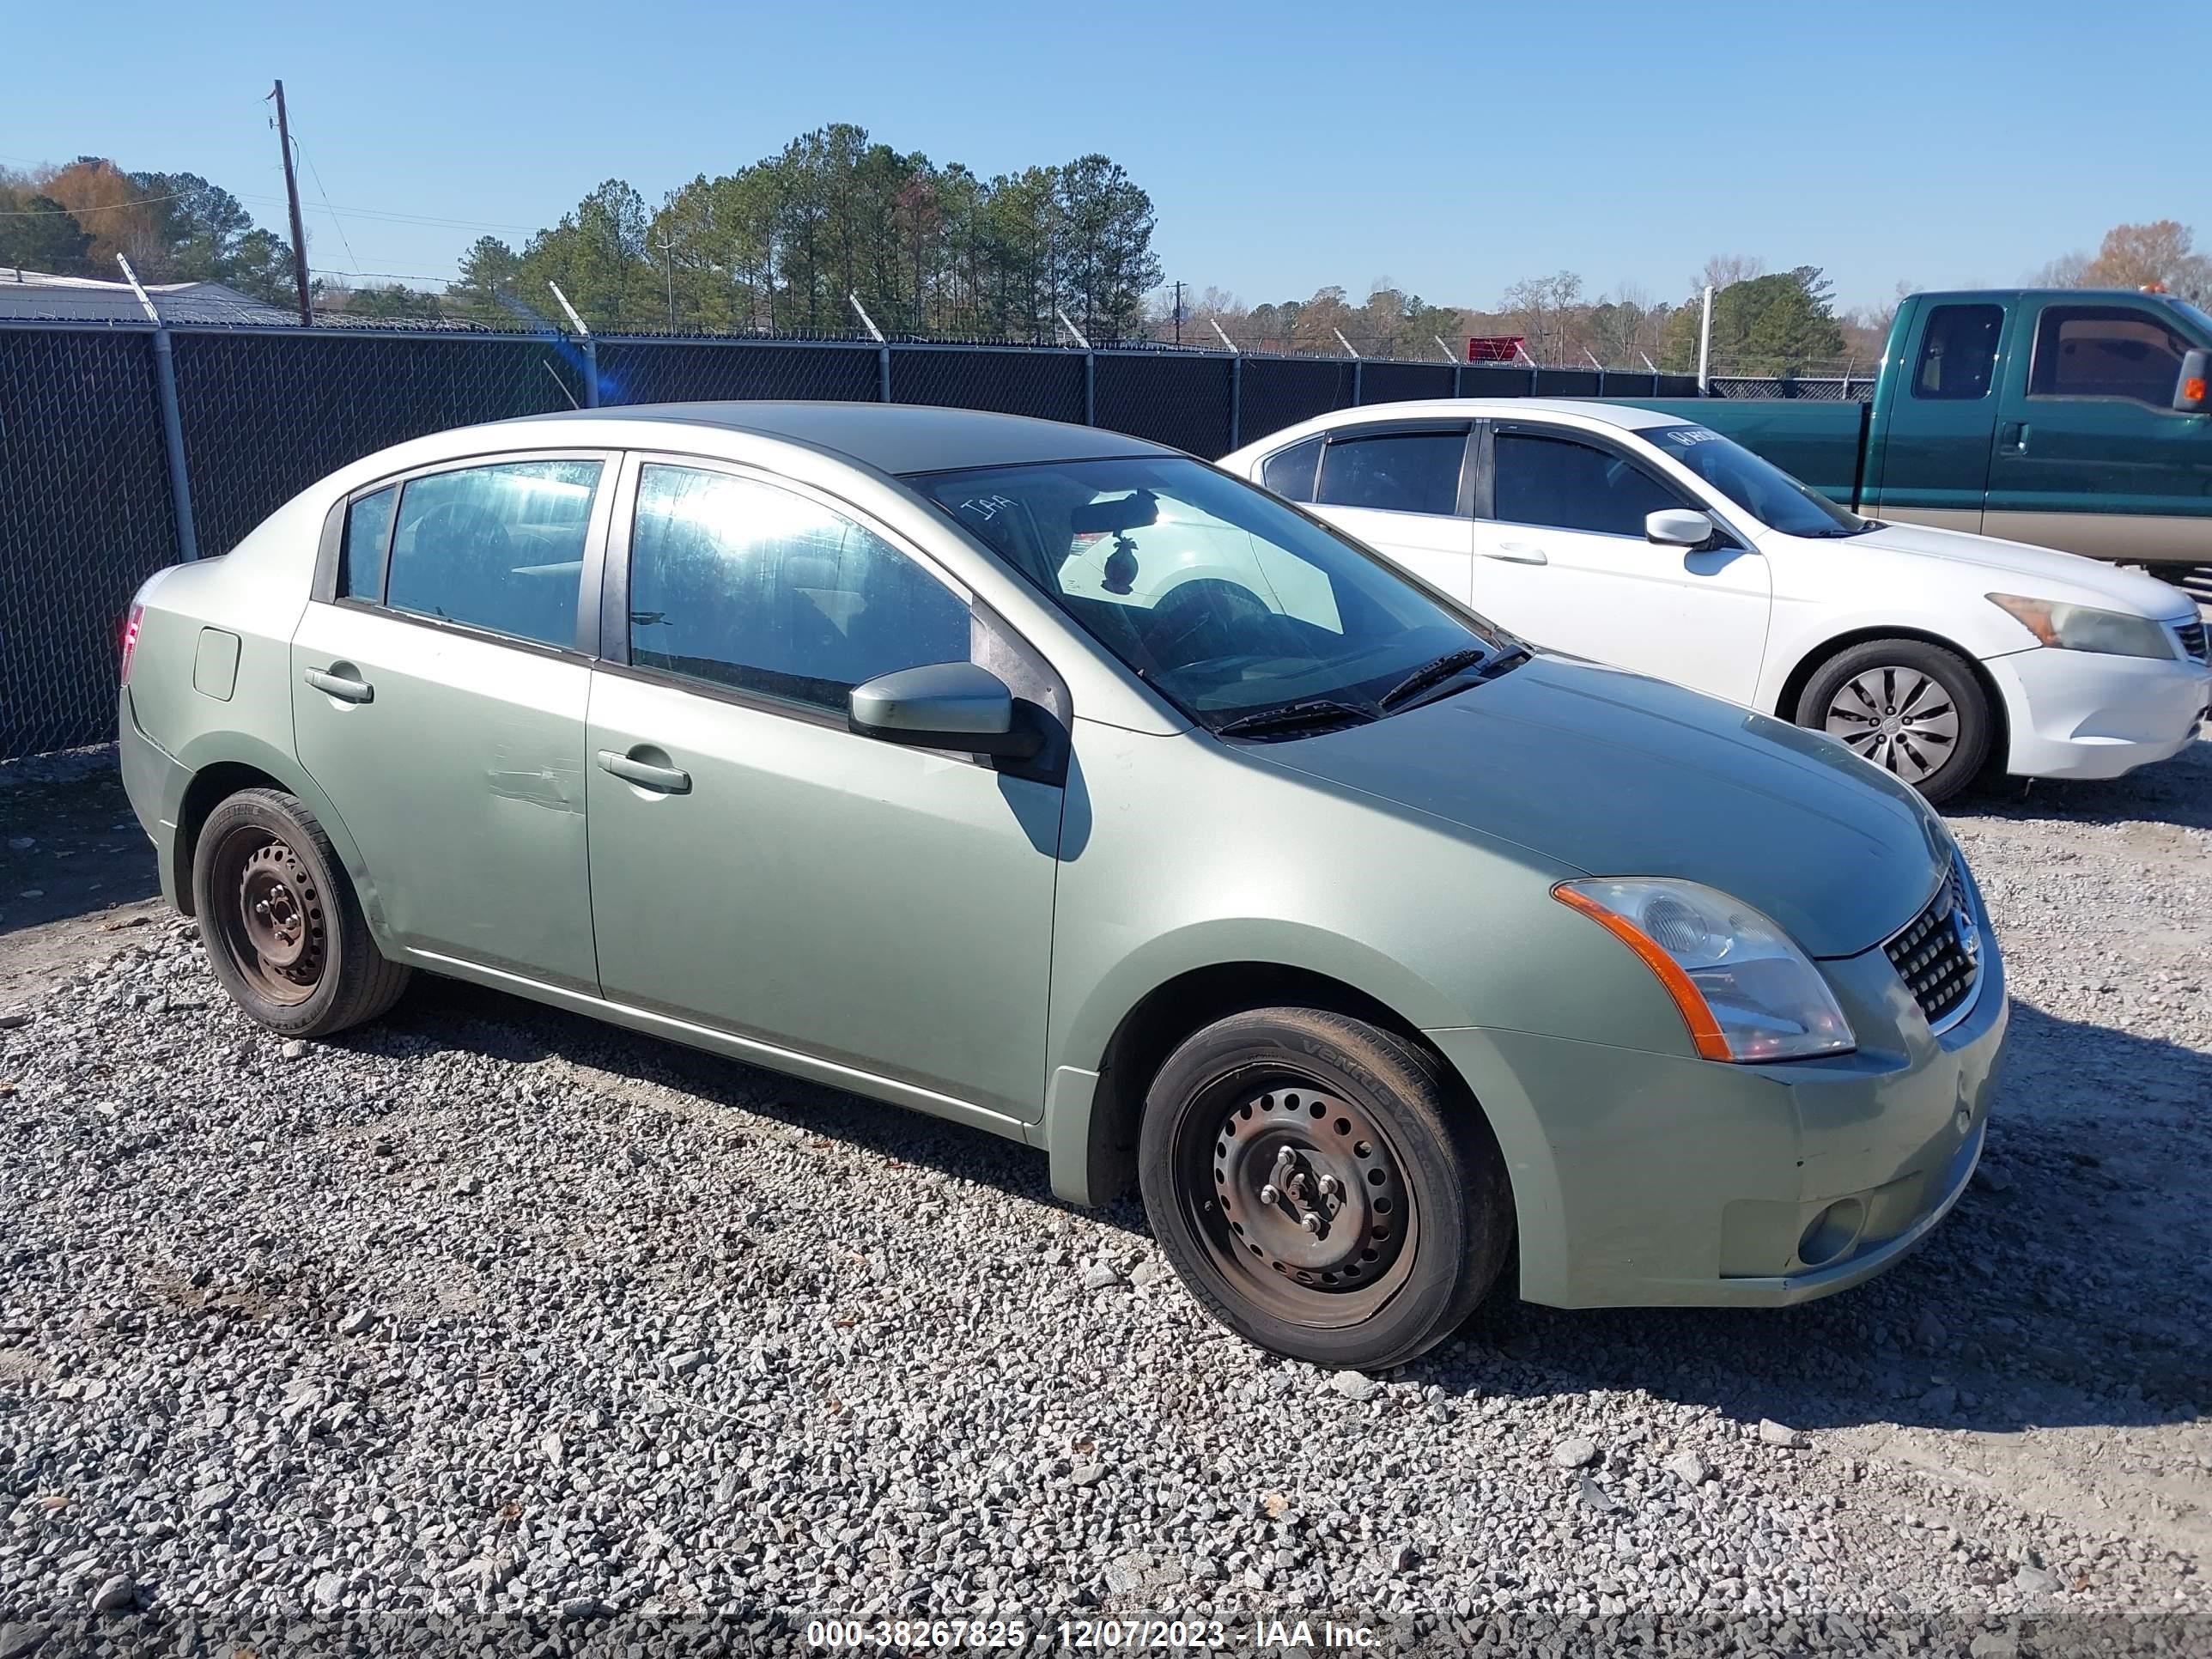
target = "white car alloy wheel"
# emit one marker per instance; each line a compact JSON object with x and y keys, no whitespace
{"x":1897,"y":717}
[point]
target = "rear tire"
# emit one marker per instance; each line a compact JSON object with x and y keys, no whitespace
{"x":1321,"y":1188}
{"x":1913,"y":708}
{"x":284,"y":933}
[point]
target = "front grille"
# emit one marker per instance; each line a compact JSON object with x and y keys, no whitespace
{"x":1939,"y":954}
{"x":2192,"y":638}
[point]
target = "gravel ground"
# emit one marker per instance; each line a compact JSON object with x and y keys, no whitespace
{"x":492,"y":1329}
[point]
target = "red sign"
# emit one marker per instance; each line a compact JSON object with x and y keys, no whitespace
{"x":1497,"y":348}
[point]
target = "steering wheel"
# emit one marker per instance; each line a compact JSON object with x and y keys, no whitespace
{"x":1199,"y":620}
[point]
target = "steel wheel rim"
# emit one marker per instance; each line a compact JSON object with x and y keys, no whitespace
{"x":1299,"y":1199}
{"x":1904,"y":719}
{"x":270,"y":914}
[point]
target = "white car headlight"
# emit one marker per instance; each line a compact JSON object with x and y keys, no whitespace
{"x":2079,"y":628}
{"x":1746,"y":991}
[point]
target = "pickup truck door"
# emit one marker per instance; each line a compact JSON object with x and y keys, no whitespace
{"x":2091,"y":455}
{"x":1406,"y":489}
{"x":1933,"y":466}
{"x":1562,"y":560}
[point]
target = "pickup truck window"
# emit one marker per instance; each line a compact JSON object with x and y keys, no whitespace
{"x":1574,"y":486}
{"x":1957,"y":353}
{"x":2105,"y":351}
{"x":1758,"y":486}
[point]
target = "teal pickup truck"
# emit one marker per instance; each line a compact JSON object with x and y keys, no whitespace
{"x":2074,"y":418}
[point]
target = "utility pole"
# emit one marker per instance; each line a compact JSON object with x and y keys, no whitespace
{"x":292,"y":199}
{"x":1705,"y":344}
{"x":668,"y":248}
{"x":1178,"y":313}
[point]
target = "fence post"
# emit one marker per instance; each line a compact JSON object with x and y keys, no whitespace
{"x":1236,"y":401}
{"x":1090,"y":388}
{"x":172,"y":425}
{"x":884,"y":373}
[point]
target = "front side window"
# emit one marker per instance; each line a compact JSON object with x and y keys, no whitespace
{"x":1957,"y":353}
{"x":1565,"y":485}
{"x":497,"y":547}
{"x":2105,"y":351}
{"x":1216,"y":594}
{"x":741,"y":584}
{"x":1397,"y":472}
{"x":367,"y":534}
{"x":1289,"y":472}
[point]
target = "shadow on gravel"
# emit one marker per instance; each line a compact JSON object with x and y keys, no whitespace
{"x":2068,"y":1288}
{"x":2172,"y":791}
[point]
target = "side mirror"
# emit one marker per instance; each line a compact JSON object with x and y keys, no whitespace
{"x":942,"y":705}
{"x":1678,"y":526}
{"x":2190,"y":390}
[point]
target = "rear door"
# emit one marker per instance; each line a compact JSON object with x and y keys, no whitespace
{"x":439,"y":685}
{"x":1406,"y":489}
{"x":2091,"y":455}
{"x":1935,"y":454}
{"x":1563,"y":561}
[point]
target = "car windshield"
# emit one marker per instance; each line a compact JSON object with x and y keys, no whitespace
{"x":1758,"y":487}
{"x":1237,"y":608}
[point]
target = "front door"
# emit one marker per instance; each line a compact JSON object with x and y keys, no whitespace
{"x":2091,"y":455}
{"x":756,"y":866}
{"x":1563,"y":561}
{"x":438,"y":701}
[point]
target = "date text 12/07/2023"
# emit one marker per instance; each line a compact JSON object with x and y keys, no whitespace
{"x":1136,"y":1634}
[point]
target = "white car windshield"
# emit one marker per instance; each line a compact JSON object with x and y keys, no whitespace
{"x":1758,"y":487}
{"x":1239,"y":610}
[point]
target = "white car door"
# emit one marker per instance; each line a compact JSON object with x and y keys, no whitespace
{"x":1404,"y":488}
{"x":1562,"y":560}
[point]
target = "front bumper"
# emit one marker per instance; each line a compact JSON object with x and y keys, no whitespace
{"x":1656,"y":1180}
{"x":2081,"y":715}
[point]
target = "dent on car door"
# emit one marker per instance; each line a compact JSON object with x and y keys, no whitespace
{"x":438,"y":697}
{"x":1567,"y":565}
{"x":1405,"y":491}
{"x":758,"y":867}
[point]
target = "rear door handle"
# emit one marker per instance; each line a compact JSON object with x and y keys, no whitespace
{"x":668,"y":780}
{"x":2012,"y":435}
{"x":339,"y":686}
{"x":1518,"y":553}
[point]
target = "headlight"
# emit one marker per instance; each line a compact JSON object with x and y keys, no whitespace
{"x":1745,"y":990}
{"x":2078,"y":628}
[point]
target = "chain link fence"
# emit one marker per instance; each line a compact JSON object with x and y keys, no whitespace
{"x":90,"y":503}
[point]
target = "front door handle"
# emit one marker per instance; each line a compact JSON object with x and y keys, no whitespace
{"x":2012,"y":435}
{"x":340,"y":686}
{"x":1518,"y":553}
{"x":668,"y":780}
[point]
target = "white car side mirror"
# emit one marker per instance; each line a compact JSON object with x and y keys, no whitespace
{"x":1678,"y":526}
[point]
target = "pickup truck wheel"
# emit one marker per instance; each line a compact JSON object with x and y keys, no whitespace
{"x":1913,"y":708}
{"x":284,"y":934}
{"x":1321,"y":1189}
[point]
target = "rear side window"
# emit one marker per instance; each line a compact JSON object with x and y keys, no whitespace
{"x":2105,"y":351}
{"x":1397,"y":472}
{"x":1957,"y":353}
{"x":367,"y":534}
{"x":496,"y":547}
{"x":1574,"y":486}
{"x":745,"y":585}
{"x":1289,"y":472}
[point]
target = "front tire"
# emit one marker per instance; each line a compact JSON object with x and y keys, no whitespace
{"x":1321,"y":1189}
{"x":1913,"y":708}
{"x":283,"y":931}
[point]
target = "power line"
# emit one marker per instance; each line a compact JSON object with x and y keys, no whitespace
{"x":315,"y":172}
{"x":104,"y":207}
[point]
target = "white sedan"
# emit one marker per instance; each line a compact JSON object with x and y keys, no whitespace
{"x":1645,"y":541}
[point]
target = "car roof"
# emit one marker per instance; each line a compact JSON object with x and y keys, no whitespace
{"x":895,"y":438}
{"x":1609,"y":414}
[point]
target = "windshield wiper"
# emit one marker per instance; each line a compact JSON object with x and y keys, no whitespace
{"x":1292,"y":716}
{"x":1434,"y":673}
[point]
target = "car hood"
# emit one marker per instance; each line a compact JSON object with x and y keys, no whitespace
{"x":1618,"y":775}
{"x":2037,"y":572}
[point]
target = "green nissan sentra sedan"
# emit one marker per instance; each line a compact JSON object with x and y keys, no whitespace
{"x":1056,"y":783}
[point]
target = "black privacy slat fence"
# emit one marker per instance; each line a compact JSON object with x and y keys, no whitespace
{"x":103,"y":482}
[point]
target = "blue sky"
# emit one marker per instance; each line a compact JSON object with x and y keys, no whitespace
{"x":1451,"y":149}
